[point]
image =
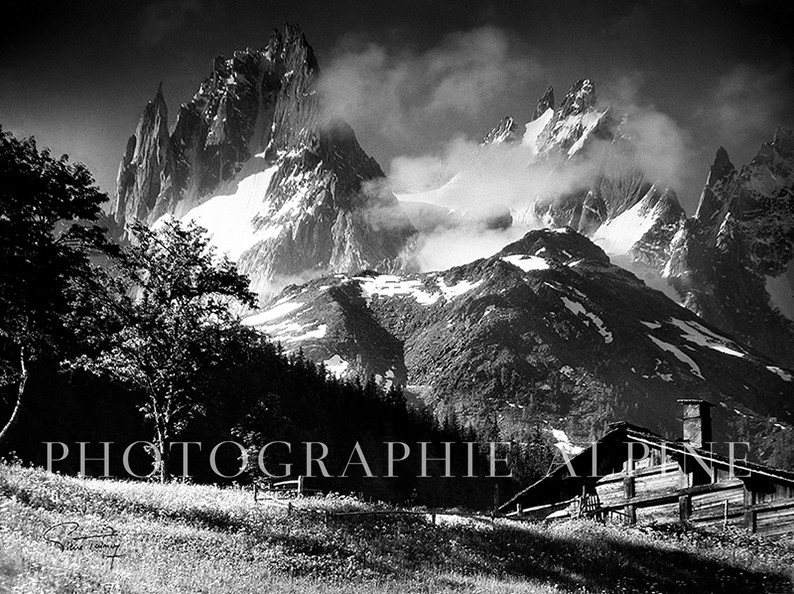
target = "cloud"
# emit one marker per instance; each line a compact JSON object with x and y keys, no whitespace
{"x":478,"y":183}
{"x":475,"y":176}
{"x":455,"y":247}
{"x":483,"y":188}
{"x":747,"y":101}
{"x":404,"y":93}
{"x":663,"y":148}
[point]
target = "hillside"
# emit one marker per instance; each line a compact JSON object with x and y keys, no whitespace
{"x":546,"y":330}
{"x":185,"y":538}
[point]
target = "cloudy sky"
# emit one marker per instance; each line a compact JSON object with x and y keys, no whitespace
{"x":414,"y":77}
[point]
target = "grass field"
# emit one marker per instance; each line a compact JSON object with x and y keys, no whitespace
{"x":189,"y":538}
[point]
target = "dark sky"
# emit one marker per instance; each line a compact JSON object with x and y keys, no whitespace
{"x":77,"y":74}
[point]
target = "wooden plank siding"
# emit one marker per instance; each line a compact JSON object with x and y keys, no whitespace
{"x":717,"y":504}
{"x":668,"y":486}
{"x":664,"y":494}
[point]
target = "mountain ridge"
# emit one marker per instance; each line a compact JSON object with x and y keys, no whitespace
{"x":547,"y":328}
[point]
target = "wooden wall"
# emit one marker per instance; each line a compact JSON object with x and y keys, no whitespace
{"x":660,"y":491}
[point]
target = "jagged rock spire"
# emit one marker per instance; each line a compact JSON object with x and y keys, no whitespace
{"x":145,"y":164}
{"x":721,"y":168}
{"x":711,"y":204}
{"x":784,"y":141}
{"x":505,"y":131}
{"x":545,"y":103}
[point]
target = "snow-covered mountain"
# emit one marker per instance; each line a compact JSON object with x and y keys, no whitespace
{"x":731,"y":263}
{"x":249,"y":157}
{"x":546,"y":328}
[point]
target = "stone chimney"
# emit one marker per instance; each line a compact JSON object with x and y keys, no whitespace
{"x":697,"y":421}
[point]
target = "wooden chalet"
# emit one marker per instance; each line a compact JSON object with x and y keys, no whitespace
{"x":633,"y":475}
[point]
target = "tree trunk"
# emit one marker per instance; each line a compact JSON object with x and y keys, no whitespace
{"x":165,"y":464}
{"x":23,"y":378}
{"x":162,"y":446}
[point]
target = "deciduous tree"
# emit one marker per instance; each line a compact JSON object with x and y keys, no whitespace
{"x":160,"y":320}
{"x":47,"y":207}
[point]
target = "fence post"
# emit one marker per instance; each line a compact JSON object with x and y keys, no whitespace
{"x":300,"y":484}
{"x":749,"y":512}
{"x":628,"y":494}
{"x":684,"y":509}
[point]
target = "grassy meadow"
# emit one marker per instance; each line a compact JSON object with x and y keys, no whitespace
{"x":191,"y":538}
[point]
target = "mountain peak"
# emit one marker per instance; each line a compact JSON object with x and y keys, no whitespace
{"x":579,"y":99}
{"x":505,"y":131}
{"x":721,"y":168}
{"x":563,"y":244}
{"x":157,"y":106}
{"x":784,"y":141}
{"x":545,"y":103}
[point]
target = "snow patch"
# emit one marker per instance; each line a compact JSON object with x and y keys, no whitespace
{"x":700,"y":335}
{"x":588,"y":121}
{"x":229,"y":219}
{"x":279,"y":310}
{"x":390,"y":285}
{"x":781,"y":291}
{"x":577,"y":308}
{"x":678,"y":354}
{"x":781,"y":372}
{"x":318,"y":332}
{"x":563,"y":443}
{"x":450,"y":292}
{"x":620,"y":234}
{"x":526,"y":263}
{"x":336,"y":366}
{"x":533,"y":130}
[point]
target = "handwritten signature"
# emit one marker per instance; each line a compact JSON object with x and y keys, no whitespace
{"x":70,"y":536}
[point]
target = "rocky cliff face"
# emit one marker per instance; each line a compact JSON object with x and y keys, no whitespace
{"x":250,"y":158}
{"x":732,"y":262}
{"x":545,"y":329}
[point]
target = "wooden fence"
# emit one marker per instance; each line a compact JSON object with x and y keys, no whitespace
{"x":649,"y":496}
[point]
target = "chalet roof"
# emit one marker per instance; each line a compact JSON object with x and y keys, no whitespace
{"x":627,"y":432}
